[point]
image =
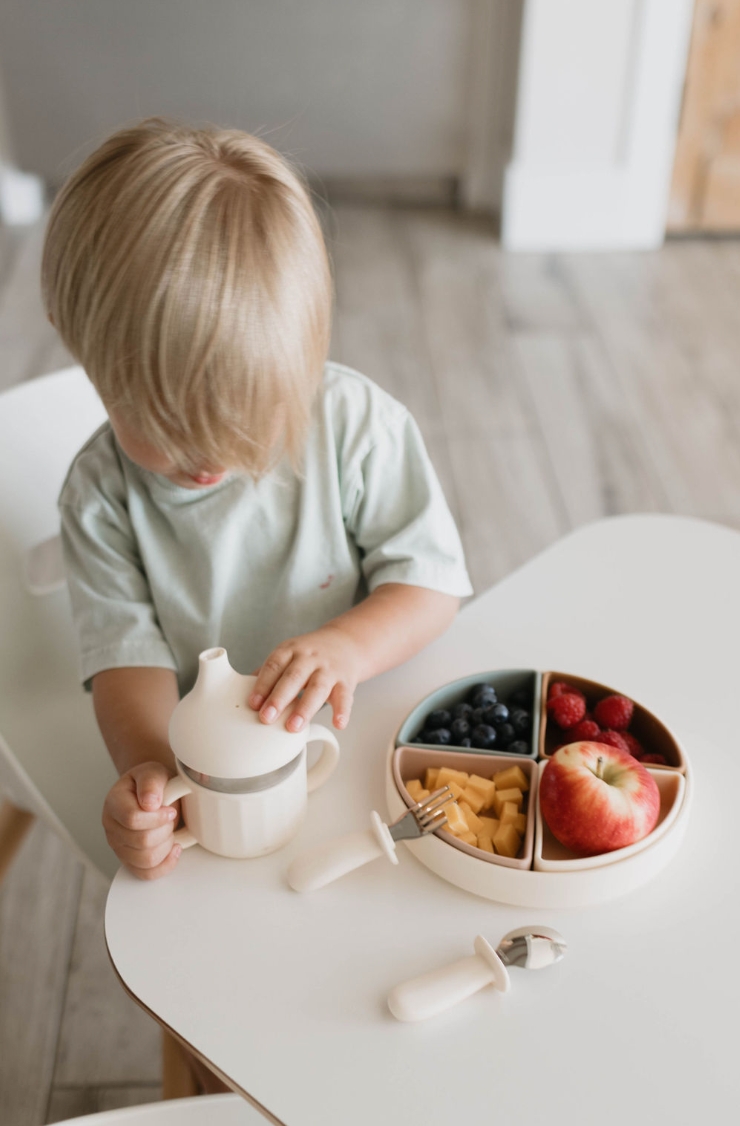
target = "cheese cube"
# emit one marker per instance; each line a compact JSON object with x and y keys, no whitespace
{"x":489,"y":826}
{"x":510,"y":813}
{"x":447,"y":774}
{"x":502,"y":796}
{"x":430,"y":779}
{"x":485,"y":786}
{"x":474,"y":823}
{"x":415,"y":788}
{"x":469,"y":838}
{"x":520,"y":824}
{"x":512,"y":777}
{"x":456,"y":823}
{"x":456,"y":790}
{"x":473,"y":798}
{"x":507,"y":841}
{"x":485,"y":843}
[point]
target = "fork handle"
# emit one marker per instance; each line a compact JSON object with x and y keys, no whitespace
{"x":332,"y":859}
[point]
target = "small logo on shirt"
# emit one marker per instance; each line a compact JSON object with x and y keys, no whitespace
{"x":327,"y":583}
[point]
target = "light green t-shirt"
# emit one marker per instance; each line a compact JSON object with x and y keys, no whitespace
{"x":158,"y":572}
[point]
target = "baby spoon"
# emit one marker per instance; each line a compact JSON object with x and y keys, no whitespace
{"x":529,"y":948}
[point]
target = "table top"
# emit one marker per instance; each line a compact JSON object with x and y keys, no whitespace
{"x":286,"y":994}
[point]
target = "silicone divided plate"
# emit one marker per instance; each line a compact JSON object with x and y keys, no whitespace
{"x":549,"y":875}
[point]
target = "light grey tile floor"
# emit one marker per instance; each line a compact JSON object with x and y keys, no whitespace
{"x":551,"y":390}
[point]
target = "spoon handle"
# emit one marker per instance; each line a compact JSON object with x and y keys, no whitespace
{"x":434,"y":992}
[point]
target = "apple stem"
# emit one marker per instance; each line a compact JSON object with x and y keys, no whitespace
{"x":600,"y":767}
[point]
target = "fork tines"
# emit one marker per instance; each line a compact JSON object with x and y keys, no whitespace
{"x":428,"y":812}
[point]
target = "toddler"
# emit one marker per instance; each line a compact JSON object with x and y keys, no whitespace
{"x":244,"y":491}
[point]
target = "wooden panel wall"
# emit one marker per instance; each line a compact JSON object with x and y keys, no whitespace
{"x":705,"y":193}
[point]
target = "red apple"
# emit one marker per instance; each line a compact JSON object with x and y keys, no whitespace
{"x":596,"y":798}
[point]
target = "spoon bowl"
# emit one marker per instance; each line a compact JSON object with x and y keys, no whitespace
{"x":532,"y":948}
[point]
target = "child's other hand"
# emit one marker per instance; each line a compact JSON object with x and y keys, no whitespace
{"x":138,"y":827}
{"x":324,"y":665}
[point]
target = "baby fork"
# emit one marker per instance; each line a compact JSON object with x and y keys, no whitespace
{"x":335,"y":858}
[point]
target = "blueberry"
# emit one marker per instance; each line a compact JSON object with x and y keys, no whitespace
{"x":520,"y":721}
{"x":459,"y":729}
{"x":476,"y":716}
{"x":518,"y":747}
{"x":482,"y":695}
{"x":439,"y":737}
{"x":505,"y":734}
{"x":437,"y":719}
{"x":481,"y":686}
{"x":466,"y":742}
{"x":461,"y":711}
{"x":522,"y":698}
{"x":484,"y":736}
{"x":496,"y":715}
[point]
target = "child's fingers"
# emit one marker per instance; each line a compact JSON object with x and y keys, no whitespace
{"x":341,"y":700}
{"x":154,"y":872}
{"x":315,"y":695}
{"x":269,"y":675}
{"x":151,"y":779}
{"x":122,"y":810}
{"x":144,"y":840}
{"x":287,"y":688}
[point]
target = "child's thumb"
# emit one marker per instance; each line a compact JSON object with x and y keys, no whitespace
{"x":151,"y":779}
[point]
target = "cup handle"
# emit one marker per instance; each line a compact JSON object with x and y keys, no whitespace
{"x":326,"y":765}
{"x":175,"y":789}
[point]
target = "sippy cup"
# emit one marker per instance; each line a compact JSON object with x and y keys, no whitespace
{"x":243,"y":783}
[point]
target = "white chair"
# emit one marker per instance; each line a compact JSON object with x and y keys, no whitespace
{"x":49,"y":740}
{"x":53,"y":762}
{"x":209,"y":1110}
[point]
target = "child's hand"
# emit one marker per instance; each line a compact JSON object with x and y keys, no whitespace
{"x":324,"y":664}
{"x":138,"y":827}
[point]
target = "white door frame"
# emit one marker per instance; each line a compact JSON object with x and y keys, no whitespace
{"x":598,"y":98}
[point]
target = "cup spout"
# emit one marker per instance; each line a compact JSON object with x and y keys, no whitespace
{"x":213,"y":669}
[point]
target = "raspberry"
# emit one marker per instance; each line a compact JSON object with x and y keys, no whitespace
{"x":658,"y":760}
{"x":566,"y":710}
{"x":633,"y":746}
{"x":560,"y":688}
{"x":614,"y":739}
{"x":614,"y":712}
{"x":557,"y":688}
{"x":586,"y":729}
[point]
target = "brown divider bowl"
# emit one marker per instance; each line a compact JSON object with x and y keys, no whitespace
{"x":646,"y":727}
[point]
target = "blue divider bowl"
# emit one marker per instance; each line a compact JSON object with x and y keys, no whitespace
{"x":505,"y":681}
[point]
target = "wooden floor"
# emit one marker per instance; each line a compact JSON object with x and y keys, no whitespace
{"x":552,"y":390}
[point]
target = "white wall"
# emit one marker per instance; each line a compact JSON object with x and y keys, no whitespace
{"x":350,"y":87}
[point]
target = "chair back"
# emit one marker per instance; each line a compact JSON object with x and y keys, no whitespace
{"x":43,"y":423}
{"x":52,"y":757}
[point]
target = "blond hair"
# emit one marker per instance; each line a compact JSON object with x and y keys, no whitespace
{"x":186,"y":271}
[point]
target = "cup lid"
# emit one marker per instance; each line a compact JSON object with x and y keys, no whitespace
{"x":214,"y":731}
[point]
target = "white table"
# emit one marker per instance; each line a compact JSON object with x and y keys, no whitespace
{"x":285,"y":994}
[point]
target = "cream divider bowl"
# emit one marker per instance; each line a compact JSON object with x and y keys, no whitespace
{"x":551,"y":856}
{"x":561,"y":890}
{"x":411,"y":762}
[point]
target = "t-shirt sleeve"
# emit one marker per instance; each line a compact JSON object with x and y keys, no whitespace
{"x":114,"y":617}
{"x":398,"y":515}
